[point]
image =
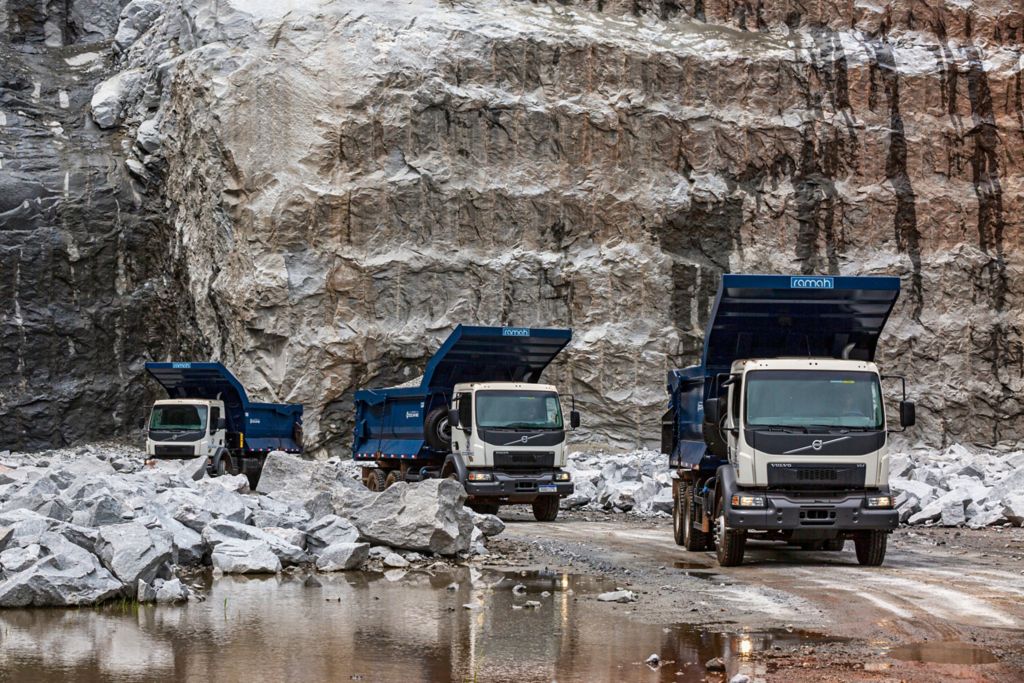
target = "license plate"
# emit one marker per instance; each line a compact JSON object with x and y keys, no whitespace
{"x":547,"y":488}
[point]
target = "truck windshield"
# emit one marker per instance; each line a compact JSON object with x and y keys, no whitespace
{"x":178,"y":418}
{"x":823,"y":398}
{"x":518,"y":410}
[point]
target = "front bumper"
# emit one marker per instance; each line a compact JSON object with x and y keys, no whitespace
{"x":522,"y":488}
{"x":826,"y":511}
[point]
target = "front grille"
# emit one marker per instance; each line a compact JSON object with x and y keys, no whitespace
{"x":175,"y":451}
{"x":796,"y":476}
{"x":817,"y":474}
{"x":520,"y":459}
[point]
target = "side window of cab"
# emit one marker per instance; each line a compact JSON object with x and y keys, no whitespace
{"x":214,"y":418}
{"x":466,"y":412}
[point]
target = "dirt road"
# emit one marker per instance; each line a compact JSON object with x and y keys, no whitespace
{"x":947,"y":605}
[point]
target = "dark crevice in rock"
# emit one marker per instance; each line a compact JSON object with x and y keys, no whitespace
{"x":908,"y":236}
{"x":985,"y":176}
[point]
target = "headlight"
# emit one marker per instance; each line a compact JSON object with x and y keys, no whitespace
{"x":562,"y":476}
{"x":879,"y":501}
{"x":739,"y":501}
{"x":479,"y":476}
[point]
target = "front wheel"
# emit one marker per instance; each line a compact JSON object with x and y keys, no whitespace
{"x":871,"y":548}
{"x":729,"y":543}
{"x":545,"y":508}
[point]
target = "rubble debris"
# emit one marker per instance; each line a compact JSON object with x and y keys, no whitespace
{"x":617,"y":596}
{"x":81,"y":526}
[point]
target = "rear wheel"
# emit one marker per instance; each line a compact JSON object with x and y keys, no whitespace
{"x":677,"y":518}
{"x":394,"y":476}
{"x":694,"y":540}
{"x":376,"y":480}
{"x":871,"y":548}
{"x":729,"y":543}
{"x":545,"y":508}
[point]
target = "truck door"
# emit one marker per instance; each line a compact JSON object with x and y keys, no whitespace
{"x":216,"y":434}
{"x":460,"y":435}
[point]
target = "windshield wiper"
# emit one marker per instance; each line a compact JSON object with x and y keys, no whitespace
{"x":782,"y":428}
{"x":844,"y":428}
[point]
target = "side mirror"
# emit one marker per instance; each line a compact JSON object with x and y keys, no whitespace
{"x":453,"y":418}
{"x":574,"y":419}
{"x":222,"y":423}
{"x":908,"y":414}
{"x":711,"y":415}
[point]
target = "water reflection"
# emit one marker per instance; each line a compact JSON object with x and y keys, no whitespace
{"x":368,"y":627}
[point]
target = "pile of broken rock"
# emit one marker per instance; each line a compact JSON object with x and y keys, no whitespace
{"x":82,"y":526}
{"x":638,"y":481}
{"x":958,"y":487}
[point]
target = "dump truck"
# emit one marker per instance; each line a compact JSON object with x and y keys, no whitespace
{"x":478,"y":415}
{"x":780,"y":433}
{"x":207,"y":413}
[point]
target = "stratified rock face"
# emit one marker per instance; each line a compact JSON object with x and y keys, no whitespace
{"x":88,"y":283}
{"x":349,"y":180}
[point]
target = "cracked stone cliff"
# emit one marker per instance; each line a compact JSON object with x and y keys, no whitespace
{"x":314,"y":193}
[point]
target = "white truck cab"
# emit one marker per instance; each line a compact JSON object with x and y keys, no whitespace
{"x":511,"y":436}
{"x":775,"y":404}
{"x":185,"y":428}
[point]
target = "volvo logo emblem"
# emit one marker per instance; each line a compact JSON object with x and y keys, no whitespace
{"x":816,"y":445}
{"x":524,"y":439}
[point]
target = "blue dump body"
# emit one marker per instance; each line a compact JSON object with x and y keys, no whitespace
{"x":773,"y":316}
{"x":389,"y":421}
{"x":265,"y":426}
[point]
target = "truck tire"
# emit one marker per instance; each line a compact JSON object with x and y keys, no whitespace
{"x":437,"y":430}
{"x":871,"y":548}
{"x":376,"y":480}
{"x":729,"y":543}
{"x":694,"y":540}
{"x":545,"y":508}
{"x":394,"y":476}
{"x":677,"y":518}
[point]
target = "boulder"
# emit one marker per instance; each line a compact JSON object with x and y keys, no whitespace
{"x":56,"y":572}
{"x":245,"y":557}
{"x":187,"y":544}
{"x":170,"y":591}
{"x":489,"y":525}
{"x":132,"y":551}
{"x":427,"y":516}
{"x":148,"y":136}
{"x":328,"y":530}
{"x":190,"y":469}
{"x":1013,"y":508}
{"x":396,"y":561}
{"x":223,"y":531}
{"x":135,"y":19}
{"x":343,"y":556}
{"x":295,"y":537}
{"x":109,"y":97}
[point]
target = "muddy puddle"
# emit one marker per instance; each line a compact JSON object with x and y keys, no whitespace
{"x":943,"y":653}
{"x":372,"y":627}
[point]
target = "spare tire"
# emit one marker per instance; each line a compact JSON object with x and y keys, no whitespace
{"x":437,"y":430}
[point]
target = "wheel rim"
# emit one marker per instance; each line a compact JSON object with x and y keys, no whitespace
{"x":443,"y":430}
{"x":720,"y":529}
